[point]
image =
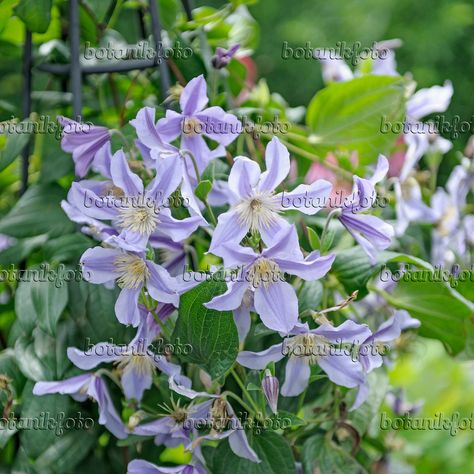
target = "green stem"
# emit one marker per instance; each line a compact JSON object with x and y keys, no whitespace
{"x":236,"y":397}
{"x":244,"y":390}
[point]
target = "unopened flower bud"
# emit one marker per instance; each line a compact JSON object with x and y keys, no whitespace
{"x":271,"y":388}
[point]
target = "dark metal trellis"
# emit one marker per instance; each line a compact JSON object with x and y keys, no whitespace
{"x":75,"y":70}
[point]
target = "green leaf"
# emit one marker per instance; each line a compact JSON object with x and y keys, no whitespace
{"x":37,"y":212}
{"x":310,"y":296}
{"x":16,"y":141}
{"x":40,"y":302}
{"x":32,"y":361}
{"x":49,"y":299}
{"x":36,"y":441}
{"x":203,"y":189}
{"x":67,"y":248}
{"x":36,"y":14}
{"x":92,"y":308}
{"x":313,"y":239}
{"x":21,"y":249}
{"x":66,"y":452}
{"x":322,"y":455}
{"x":212,"y":334}
{"x":444,"y":313}
{"x":273,"y":450}
{"x":347,"y":116}
{"x":353,"y":269}
{"x":328,"y":239}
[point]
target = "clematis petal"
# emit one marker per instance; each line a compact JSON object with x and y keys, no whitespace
{"x":108,"y":415}
{"x":342,"y":369}
{"x":129,"y":182}
{"x":219,"y":125}
{"x":306,"y":198}
{"x":98,"y":354}
{"x":169,"y":127}
{"x":178,"y":230}
{"x":285,"y":245}
{"x":297,"y":373}
{"x":98,"y":264}
{"x":312,"y":267}
{"x":430,"y":100}
{"x":228,"y":229}
{"x":194,"y":96}
{"x":348,"y":332}
{"x":243,"y":176}
{"x":126,"y":307}
{"x":259,"y":360}
{"x":277,"y":306}
{"x":362,"y":396}
{"x":161,"y":285}
{"x":69,"y":386}
{"x":167,"y":180}
{"x":135,"y":381}
{"x":236,"y":255}
{"x":240,"y":446}
{"x":145,"y":127}
{"x":231,"y":299}
{"x":270,"y":234}
{"x":242,"y":320}
{"x":370,"y":232}
{"x":277,"y":160}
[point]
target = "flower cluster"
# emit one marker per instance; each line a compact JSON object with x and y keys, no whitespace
{"x":144,"y":249}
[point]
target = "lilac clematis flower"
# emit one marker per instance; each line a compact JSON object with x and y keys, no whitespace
{"x":306,"y":347}
{"x":223,"y":56}
{"x":274,"y":299}
{"x":254,"y":204}
{"x":400,"y":406}
{"x":448,"y":244}
{"x":157,"y":150}
{"x":216,"y":413}
{"x":384,"y":64}
{"x":410,"y":206}
{"x":195,"y":120}
{"x":369,"y":355}
{"x":136,"y":211}
{"x":139,"y":466}
{"x":370,"y":232}
{"x":83,"y":141}
{"x":418,"y":136}
{"x":136,"y":361}
{"x":133,"y":273}
{"x":333,"y":68}
{"x":80,"y":388}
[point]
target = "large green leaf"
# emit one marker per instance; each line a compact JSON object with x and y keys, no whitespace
{"x":40,"y":301}
{"x":353,"y":269}
{"x":36,"y":14}
{"x":272,"y":449}
{"x":322,"y":455}
{"x":347,"y":116}
{"x":444,"y":314}
{"x":49,"y":300}
{"x":37,"y":212}
{"x":37,"y":441}
{"x":212,"y":334}
{"x":66,"y":452}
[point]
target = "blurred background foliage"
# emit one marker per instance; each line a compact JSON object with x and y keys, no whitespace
{"x":438,"y":45}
